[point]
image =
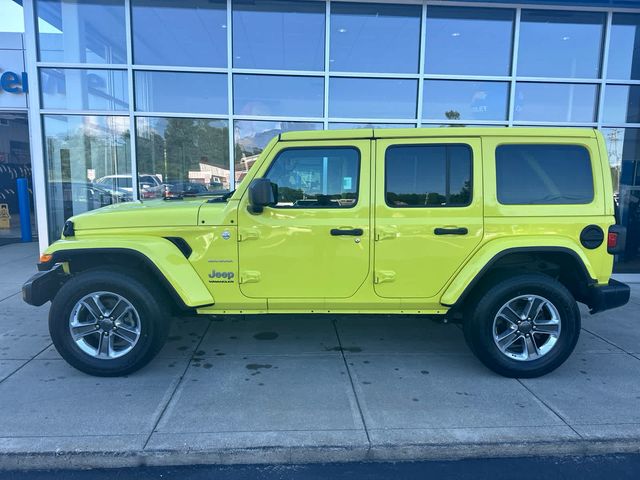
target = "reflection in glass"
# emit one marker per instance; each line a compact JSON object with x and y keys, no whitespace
{"x":190,"y":156}
{"x":277,"y":34}
{"x":623,"y":148}
{"x":91,"y":31}
{"x":252,"y":136}
{"x":179,"y":32}
{"x":349,"y":125}
{"x":278,"y":95}
{"x":560,"y":43}
{"x":82,"y":89}
{"x":555,"y":102}
{"x":465,"y":100}
{"x":316,"y":177}
{"x":468,"y":41}
{"x":622,"y":103}
{"x":81,"y":150}
{"x":374,"y":37}
{"x":372,"y":98}
{"x":181,"y":92}
{"x":624,"y":47}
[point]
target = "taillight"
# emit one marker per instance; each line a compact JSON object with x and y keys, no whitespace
{"x":616,"y":239}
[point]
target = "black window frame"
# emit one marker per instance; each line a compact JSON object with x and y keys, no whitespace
{"x":557,"y":144}
{"x":315,"y":147}
{"x":447,"y":173}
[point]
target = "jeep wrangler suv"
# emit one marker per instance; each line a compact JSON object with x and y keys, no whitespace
{"x":502,"y":229}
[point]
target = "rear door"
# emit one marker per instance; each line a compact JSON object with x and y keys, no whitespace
{"x":428,"y":212}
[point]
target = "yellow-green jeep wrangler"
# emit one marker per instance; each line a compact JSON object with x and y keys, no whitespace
{"x":502,"y":229}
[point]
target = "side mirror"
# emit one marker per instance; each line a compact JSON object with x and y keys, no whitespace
{"x":262,"y":193}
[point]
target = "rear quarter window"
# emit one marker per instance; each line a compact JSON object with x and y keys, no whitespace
{"x":539,"y":174}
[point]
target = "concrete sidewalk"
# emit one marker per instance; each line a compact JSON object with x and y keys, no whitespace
{"x":278,"y":388}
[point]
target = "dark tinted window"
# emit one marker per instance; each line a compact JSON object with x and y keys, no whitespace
{"x":316,"y":177}
{"x":543,"y":174}
{"x":428,"y":176}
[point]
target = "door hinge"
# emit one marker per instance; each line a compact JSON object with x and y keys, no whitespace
{"x":383,"y":276}
{"x":386,"y":233}
{"x":249,"y":276}
{"x":248,"y":234}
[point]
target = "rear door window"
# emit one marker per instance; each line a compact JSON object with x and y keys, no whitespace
{"x":434,"y":175}
{"x":537,"y":174}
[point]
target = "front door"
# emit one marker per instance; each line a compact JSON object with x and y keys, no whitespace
{"x":429,"y":213}
{"x":315,"y":242}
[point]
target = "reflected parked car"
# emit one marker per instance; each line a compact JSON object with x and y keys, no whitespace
{"x":82,"y":197}
{"x":150,"y":185}
{"x":177,"y":189}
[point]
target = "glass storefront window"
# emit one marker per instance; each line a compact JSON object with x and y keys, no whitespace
{"x":374,"y":37}
{"x":188,"y":155}
{"x":181,"y":92}
{"x":81,"y":89}
{"x":349,"y":125}
{"x":91,"y":31}
{"x":560,"y":43}
{"x":622,"y":104}
{"x":179,"y":32}
{"x":465,"y":100}
{"x":624,"y":47}
{"x":278,"y":95}
{"x":252,"y":136}
{"x":555,"y":102}
{"x":468,"y":41}
{"x":278,"y":34}
{"x":88,"y":161}
{"x":372,"y":98}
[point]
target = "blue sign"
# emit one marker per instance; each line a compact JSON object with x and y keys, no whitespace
{"x":12,"y":82}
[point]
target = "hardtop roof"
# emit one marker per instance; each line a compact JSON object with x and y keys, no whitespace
{"x":374,"y":133}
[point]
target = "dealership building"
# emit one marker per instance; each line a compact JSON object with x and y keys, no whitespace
{"x":185,"y":93}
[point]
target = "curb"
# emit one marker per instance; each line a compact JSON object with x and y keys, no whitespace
{"x":300,"y":455}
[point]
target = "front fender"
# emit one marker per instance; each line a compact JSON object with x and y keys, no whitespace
{"x":157,"y":252}
{"x":491,"y":251}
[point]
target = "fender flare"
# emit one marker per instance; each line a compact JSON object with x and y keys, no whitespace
{"x":162,"y":257}
{"x":452,"y":298}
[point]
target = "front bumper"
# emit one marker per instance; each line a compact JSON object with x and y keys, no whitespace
{"x":605,"y":297}
{"x":43,"y":286}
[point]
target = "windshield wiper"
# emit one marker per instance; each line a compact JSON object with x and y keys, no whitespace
{"x":222,"y":198}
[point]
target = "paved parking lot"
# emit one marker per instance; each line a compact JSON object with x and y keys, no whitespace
{"x":279,"y":388}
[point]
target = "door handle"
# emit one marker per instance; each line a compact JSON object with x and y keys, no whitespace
{"x":355,"y":232}
{"x":451,"y":231}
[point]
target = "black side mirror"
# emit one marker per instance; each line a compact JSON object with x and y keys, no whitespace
{"x":262,"y":193}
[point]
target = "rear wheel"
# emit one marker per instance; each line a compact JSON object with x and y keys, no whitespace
{"x":107,"y":322}
{"x":524,"y":326}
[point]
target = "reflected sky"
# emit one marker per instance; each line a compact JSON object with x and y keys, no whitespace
{"x":372,"y":98}
{"x":278,"y":34}
{"x":160,"y":29}
{"x":181,"y":92}
{"x":469,"y":41}
{"x":622,"y":104}
{"x":463,"y":100}
{"x":555,"y":102}
{"x":624,"y":45}
{"x":374,"y":37}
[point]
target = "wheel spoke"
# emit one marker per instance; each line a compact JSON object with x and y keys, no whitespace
{"x":509,"y":315}
{"x":91,"y":306}
{"x":105,"y":346}
{"x":125,"y":334}
{"x":534,"y":304}
{"x":119,"y":311}
{"x":530,"y":348}
{"x":508,"y":340}
{"x":82,"y":330}
{"x":547,"y":328}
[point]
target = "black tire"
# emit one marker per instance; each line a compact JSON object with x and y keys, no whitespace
{"x":153,"y":314}
{"x":484,"y":306}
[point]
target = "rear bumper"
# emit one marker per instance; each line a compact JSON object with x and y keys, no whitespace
{"x":605,"y":297}
{"x":43,"y":286}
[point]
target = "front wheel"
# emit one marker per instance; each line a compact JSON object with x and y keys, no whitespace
{"x":107,"y":322}
{"x":524,"y":326}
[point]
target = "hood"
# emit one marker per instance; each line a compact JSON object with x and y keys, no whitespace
{"x":152,"y":213}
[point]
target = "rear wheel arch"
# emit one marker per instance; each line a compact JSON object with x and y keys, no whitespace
{"x":560,"y":263}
